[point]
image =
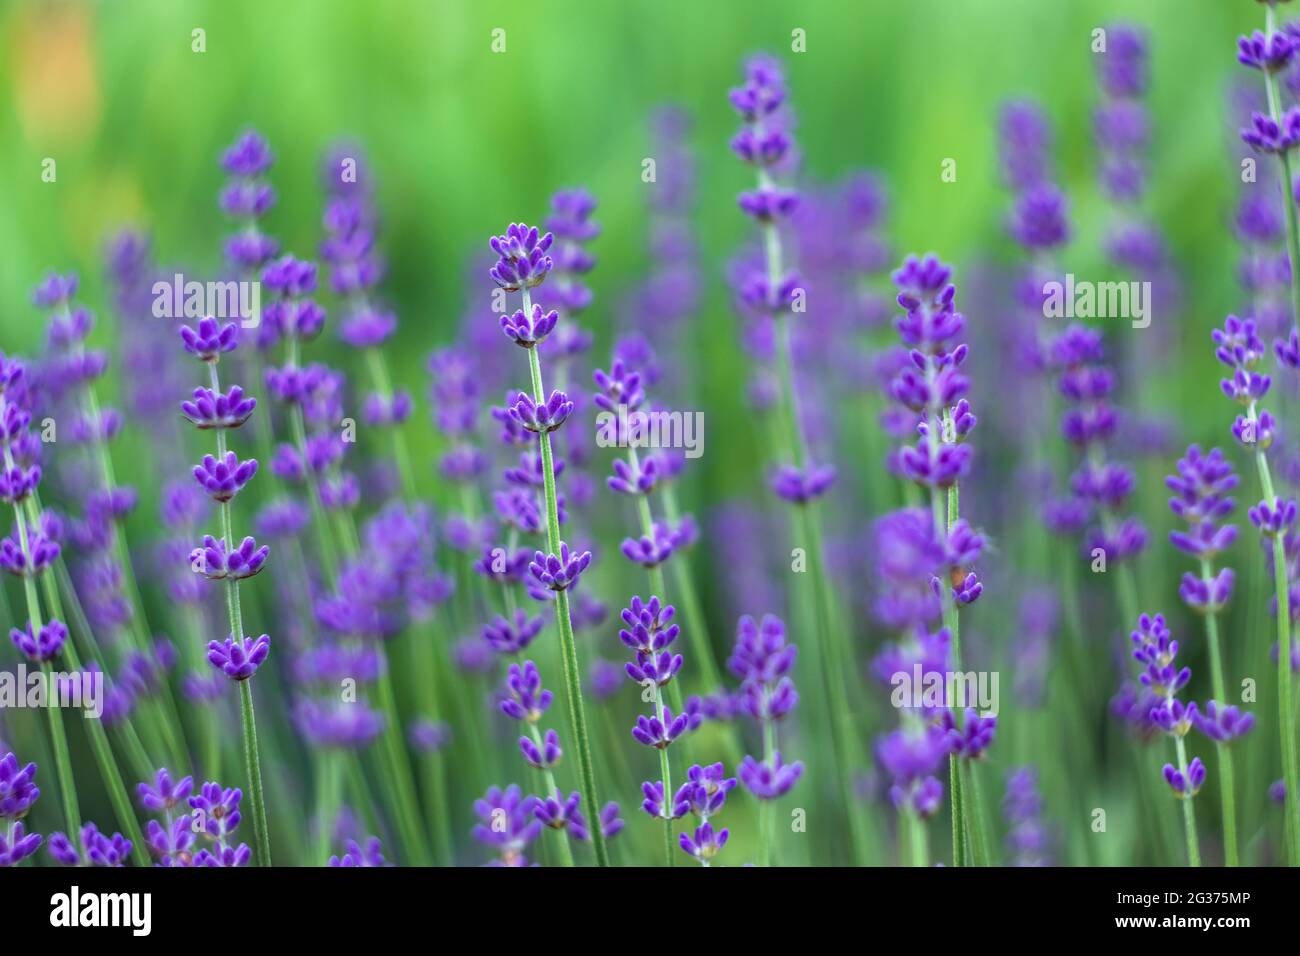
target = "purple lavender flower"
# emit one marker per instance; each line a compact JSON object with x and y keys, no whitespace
{"x":650,"y":551}
{"x":544,"y":757}
{"x":239,"y":658}
{"x":662,"y":729}
{"x":973,"y":738}
{"x":526,"y":699}
{"x":172,"y":845}
{"x":224,"y":478}
{"x":164,"y":794}
{"x":559,"y":572}
{"x":210,"y":409}
{"x":705,"y":791}
{"x":18,"y":790}
{"x":1270,"y":53}
{"x":546,"y":417}
{"x":704,"y":843}
{"x":509,"y":637}
{"x":216,"y":563}
{"x":1185,"y":784}
{"x":61,"y":848}
{"x":17,"y":844}
{"x":1028,"y":838}
{"x":1266,"y":135}
{"x":45,"y":645}
{"x":508,"y":823}
{"x":356,"y":855}
{"x":529,"y":329}
{"x":102,"y":849}
{"x":1274,"y":519}
{"x":208,"y":341}
{"x":522,"y":260}
{"x":802,"y":485}
{"x":1223,"y":723}
{"x":770,"y":779}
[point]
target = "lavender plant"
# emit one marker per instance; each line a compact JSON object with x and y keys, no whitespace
{"x":219,"y":559}
{"x":522,"y":265}
{"x":1277,"y":134}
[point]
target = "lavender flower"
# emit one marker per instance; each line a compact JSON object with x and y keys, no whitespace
{"x":356,"y":855}
{"x":771,"y":778}
{"x":508,"y":824}
{"x":239,"y":658}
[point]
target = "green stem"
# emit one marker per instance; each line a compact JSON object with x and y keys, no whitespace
{"x":253,"y":768}
{"x":552,"y":789}
{"x":975,"y":812}
{"x":1286,"y":716}
{"x":918,"y":842}
{"x":767,"y":808}
{"x":1227,"y":796}
{"x":404,"y":791}
{"x":701,"y":646}
{"x":58,"y":738}
{"x":1189,"y":810}
{"x":329,"y":785}
{"x":568,"y":646}
{"x":248,"y":720}
{"x":100,"y":747}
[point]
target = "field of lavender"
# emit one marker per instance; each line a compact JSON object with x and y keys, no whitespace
{"x":516,"y":434}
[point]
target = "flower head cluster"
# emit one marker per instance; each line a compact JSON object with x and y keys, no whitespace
{"x":764,"y":141}
{"x":1201,"y":498}
{"x":247,"y":197}
{"x":932,"y":386}
{"x":650,"y":633}
{"x":1161,"y":675}
{"x":215,"y":817}
{"x":1099,"y":488}
{"x":571,"y":223}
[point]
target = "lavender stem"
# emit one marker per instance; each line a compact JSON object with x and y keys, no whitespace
{"x":568,"y":646}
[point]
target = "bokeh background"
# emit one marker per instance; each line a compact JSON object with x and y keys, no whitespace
{"x":461,"y":140}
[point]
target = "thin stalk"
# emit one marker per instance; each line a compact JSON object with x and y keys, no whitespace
{"x":1189,"y":809}
{"x":766,"y":808}
{"x":830,"y":634}
{"x":918,"y":841}
{"x":329,"y":786}
{"x":701,"y":646}
{"x":99,"y":745}
{"x":248,"y":719}
{"x":975,"y":812}
{"x":404,"y":791}
{"x":552,"y":789}
{"x":1227,"y":796}
{"x":1286,"y":716}
{"x":568,"y":646}
{"x":58,"y":738}
{"x":665,"y":774}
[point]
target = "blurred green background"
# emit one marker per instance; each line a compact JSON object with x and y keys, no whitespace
{"x":462,"y":140}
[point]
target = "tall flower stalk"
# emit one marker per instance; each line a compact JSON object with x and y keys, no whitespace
{"x":222,"y":478}
{"x":522,"y":266}
{"x":41,"y":641}
{"x":774,"y":293}
{"x":934,"y":389}
{"x":1277,"y":134}
{"x":1201,"y":499}
{"x":762,"y":659}
{"x":1156,"y":650}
